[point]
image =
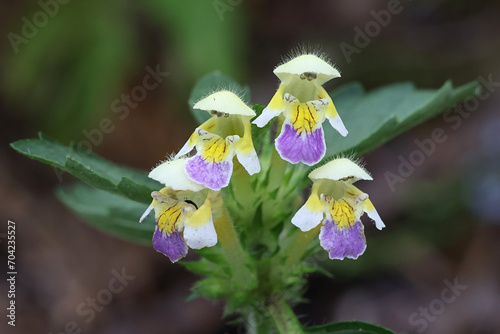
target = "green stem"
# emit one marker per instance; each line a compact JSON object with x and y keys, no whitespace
{"x":284,"y":318}
{"x":276,"y":175}
{"x":238,"y":259}
{"x":298,"y":246}
{"x":242,"y":185}
{"x":257,"y":323}
{"x":277,"y":171}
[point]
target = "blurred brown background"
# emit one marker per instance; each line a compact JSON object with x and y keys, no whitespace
{"x":66,"y":65}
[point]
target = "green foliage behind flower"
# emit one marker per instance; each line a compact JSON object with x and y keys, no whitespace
{"x":69,"y":73}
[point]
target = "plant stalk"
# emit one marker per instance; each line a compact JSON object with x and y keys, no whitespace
{"x":284,"y":318}
{"x":238,"y":259}
{"x":301,"y":241}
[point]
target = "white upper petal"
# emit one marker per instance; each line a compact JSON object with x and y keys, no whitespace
{"x":173,"y":175}
{"x":307,"y":63}
{"x":226,"y":102}
{"x":339,"y":169}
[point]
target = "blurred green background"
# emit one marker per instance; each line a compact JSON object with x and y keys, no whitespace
{"x":67,"y":66}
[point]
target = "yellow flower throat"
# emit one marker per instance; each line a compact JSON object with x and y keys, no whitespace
{"x":304,"y":117}
{"x":215,"y":150}
{"x":342,"y":213}
{"x":169,"y":219}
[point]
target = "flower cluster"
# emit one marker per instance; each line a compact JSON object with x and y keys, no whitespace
{"x":193,"y":179}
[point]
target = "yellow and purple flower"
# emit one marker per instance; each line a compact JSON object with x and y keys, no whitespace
{"x":338,"y":205}
{"x":180,"y":223}
{"x":226,"y":134}
{"x":305,"y":104}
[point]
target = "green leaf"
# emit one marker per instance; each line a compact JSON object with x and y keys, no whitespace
{"x":114,"y":214}
{"x":210,"y":83}
{"x":90,"y":168}
{"x":84,"y":171}
{"x":375,"y":117}
{"x":137,"y":191}
{"x":348,"y":327}
{"x":43,"y":149}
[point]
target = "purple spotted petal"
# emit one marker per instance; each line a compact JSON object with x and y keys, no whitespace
{"x":306,"y":147}
{"x":212,"y":175}
{"x":172,"y":245}
{"x":340,"y":243}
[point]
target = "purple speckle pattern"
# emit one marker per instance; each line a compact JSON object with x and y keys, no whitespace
{"x":340,"y":243}
{"x":212,"y":175}
{"x":308,"y":148}
{"x":173,"y":246}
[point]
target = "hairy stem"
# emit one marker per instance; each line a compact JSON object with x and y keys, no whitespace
{"x":259,"y":323}
{"x":238,"y":259}
{"x":277,"y":171}
{"x":284,"y":318}
{"x":301,"y":241}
